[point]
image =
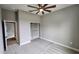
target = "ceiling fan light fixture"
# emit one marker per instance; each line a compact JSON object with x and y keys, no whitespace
{"x":41,"y":10}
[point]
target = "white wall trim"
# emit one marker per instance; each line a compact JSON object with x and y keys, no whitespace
{"x":25,"y":42}
{"x":75,"y":49}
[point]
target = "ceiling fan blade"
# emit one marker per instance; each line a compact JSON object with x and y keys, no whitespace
{"x":42,"y":12}
{"x":45,"y":5}
{"x":39,"y":5}
{"x":32,"y":10}
{"x":37,"y":12}
{"x":51,"y":7}
{"x":48,"y":10}
{"x":32,"y":6}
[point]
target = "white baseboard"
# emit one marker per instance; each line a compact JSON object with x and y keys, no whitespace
{"x":25,"y":42}
{"x":75,"y":49}
{"x":35,"y":38}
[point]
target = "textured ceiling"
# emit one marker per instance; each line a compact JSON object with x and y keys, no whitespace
{"x":24,"y":7}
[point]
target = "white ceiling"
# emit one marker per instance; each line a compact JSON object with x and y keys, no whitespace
{"x":24,"y":7}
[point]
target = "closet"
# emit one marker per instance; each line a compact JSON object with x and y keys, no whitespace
{"x":35,"y":30}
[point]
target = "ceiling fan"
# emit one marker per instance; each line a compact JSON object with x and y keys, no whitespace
{"x":41,"y":8}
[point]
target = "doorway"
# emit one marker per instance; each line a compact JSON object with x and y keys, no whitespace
{"x":35,"y":30}
{"x":9,"y":33}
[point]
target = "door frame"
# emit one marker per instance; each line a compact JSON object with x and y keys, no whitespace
{"x":3,"y":30}
{"x":31,"y":29}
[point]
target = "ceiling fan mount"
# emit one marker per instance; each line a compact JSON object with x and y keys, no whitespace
{"x":41,"y":8}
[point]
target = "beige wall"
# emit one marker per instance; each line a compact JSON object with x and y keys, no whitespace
{"x":62,"y":26}
{"x":1,"y":38}
{"x":24,"y":20}
{"x":8,"y":15}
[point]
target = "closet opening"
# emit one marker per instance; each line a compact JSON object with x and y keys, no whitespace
{"x":10,"y":33}
{"x":35,"y":30}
